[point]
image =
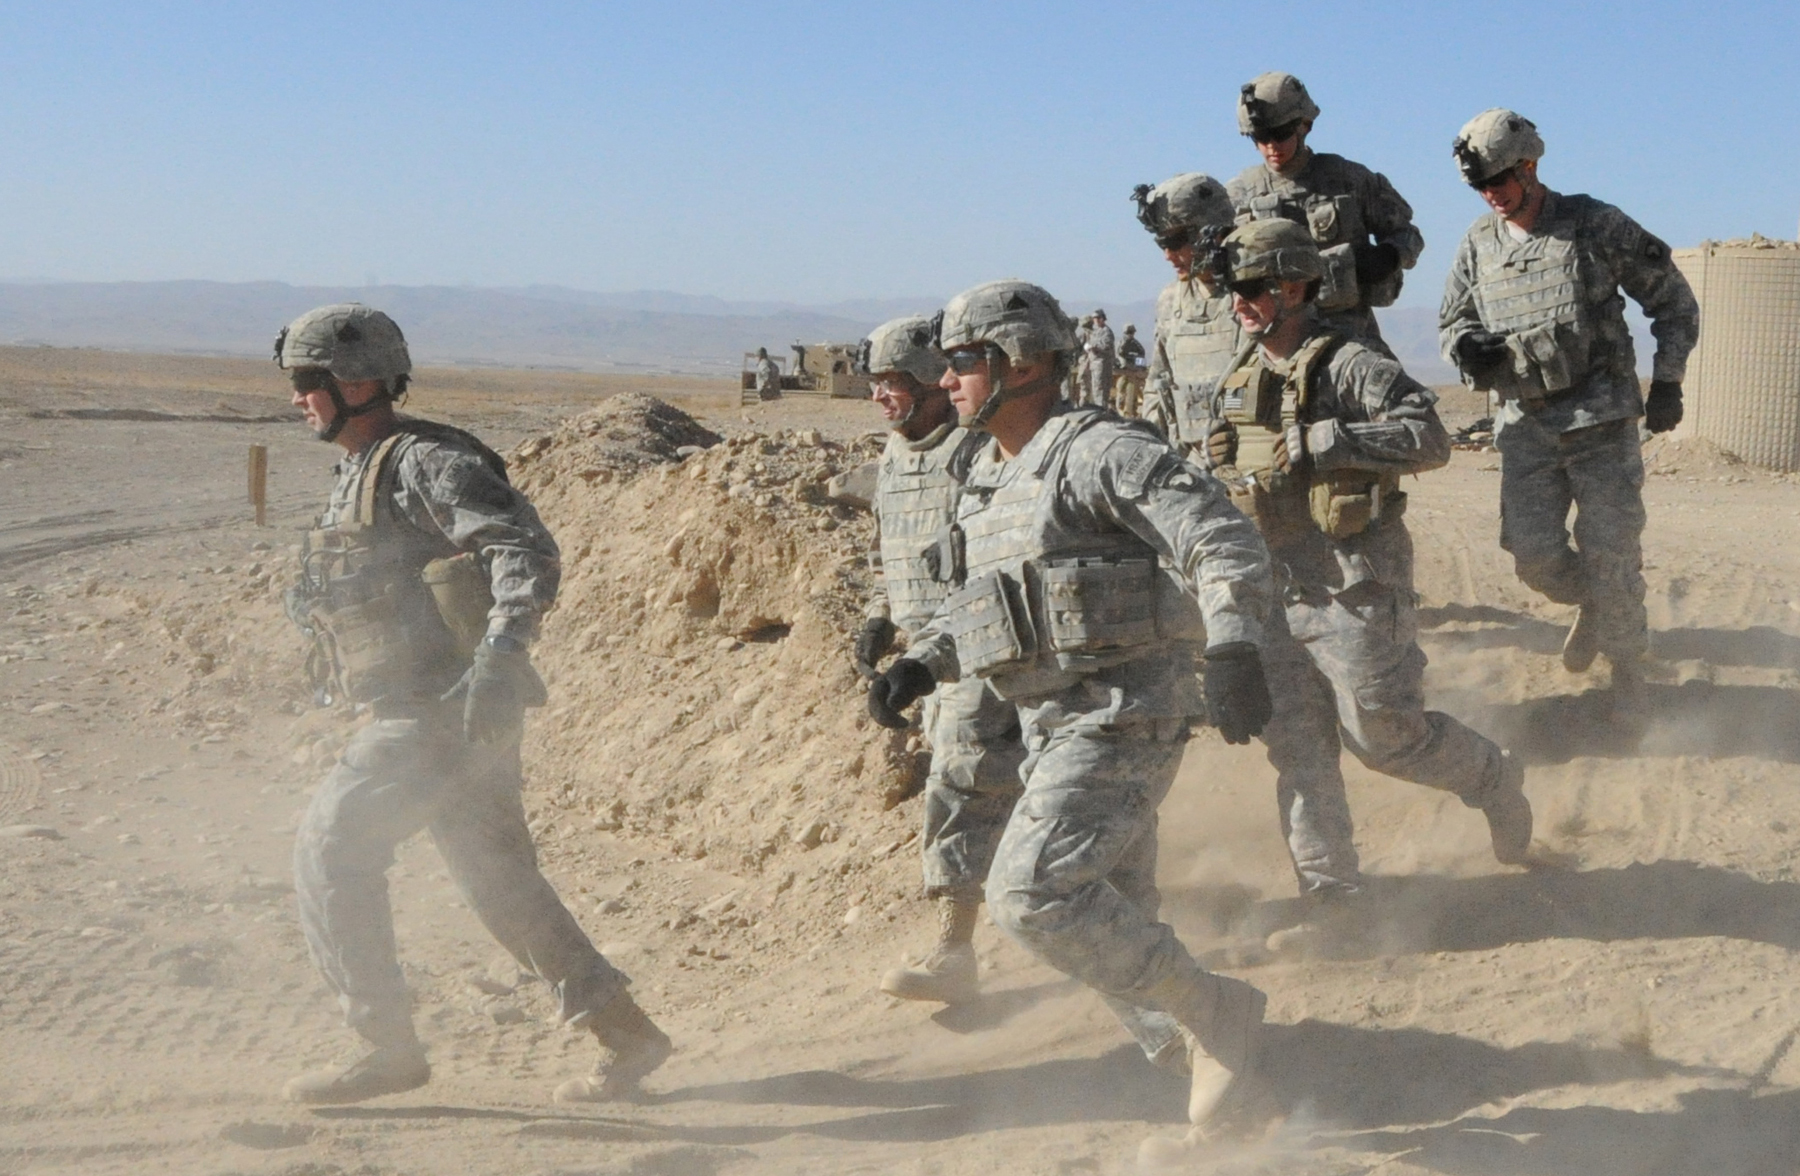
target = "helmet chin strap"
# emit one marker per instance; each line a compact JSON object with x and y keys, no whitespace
{"x":1003,"y":392}
{"x":342,"y":412}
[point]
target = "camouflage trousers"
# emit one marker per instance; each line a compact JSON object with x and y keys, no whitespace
{"x":1599,"y":471}
{"x":976,"y":749}
{"x":1097,"y":383}
{"x":1074,"y":878}
{"x":1346,"y":670}
{"x":398,"y":775}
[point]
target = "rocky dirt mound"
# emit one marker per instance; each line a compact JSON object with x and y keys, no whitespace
{"x":1695,"y":459}
{"x":619,"y":438}
{"x":702,"y":698}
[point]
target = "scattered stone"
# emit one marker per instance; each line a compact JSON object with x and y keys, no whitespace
{"x":855,"y":488}
{"x":506,"y":1014}
{"x":128,"y":839}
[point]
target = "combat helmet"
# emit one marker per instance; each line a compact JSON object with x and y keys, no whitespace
{"x":1272,"y":250}
{"x":1273,"y":100}
{"x":1176,"y":210}
{"x":349,"y":342}
{"x":1016,"y":318}
{"x":1494,"y":141}
{"x":905,"y":344}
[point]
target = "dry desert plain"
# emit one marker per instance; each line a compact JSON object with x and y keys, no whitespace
{"x":711,"y":803}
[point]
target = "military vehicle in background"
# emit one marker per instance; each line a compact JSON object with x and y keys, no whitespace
{"x":826,"y":368}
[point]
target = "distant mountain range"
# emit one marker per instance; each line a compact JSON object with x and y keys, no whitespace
{"x":531,"y":326}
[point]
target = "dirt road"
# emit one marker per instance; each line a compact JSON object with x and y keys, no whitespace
{"x":1630,"y":1011}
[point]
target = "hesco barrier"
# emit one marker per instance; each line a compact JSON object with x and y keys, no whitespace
{"x":1743,"y":380}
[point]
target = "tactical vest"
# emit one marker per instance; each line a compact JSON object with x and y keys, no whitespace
{"x":1262,"y":405}
{"x":1532,"y":292}
{"x":1335,"y":221}
{"x":915,"y":499}
{"x":377,"y":628}
{"x":1045,"y":602}
{"x":1199,"y":341}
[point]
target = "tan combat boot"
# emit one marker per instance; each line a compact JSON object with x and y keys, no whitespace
{"x":1582,"y":645}
{"x":631,"y":1046}
{"x":1221,"y":1019}
{"x":388,"y":1069}
{"x":1509,"y":813}
{"x":946,"y":975}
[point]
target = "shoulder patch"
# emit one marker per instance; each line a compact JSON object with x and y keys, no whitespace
{"x":1140,"y":463}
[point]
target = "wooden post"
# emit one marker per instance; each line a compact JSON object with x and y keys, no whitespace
{"x":259,"y":481}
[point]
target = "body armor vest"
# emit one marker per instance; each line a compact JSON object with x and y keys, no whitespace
{"x":1262,"y":404}
{"x":916,"y":494}
{"x":1532,"y":292}
{"x":1199,"y":341}
{"x":1323,"y":198}
{"x":1045,"y":601}
{"x":377,"y":630}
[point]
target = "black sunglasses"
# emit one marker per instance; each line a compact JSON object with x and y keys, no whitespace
{"x":1280,"y":134}
{"x":1493,"y":181}
{"x":965,"y":362}
{"x":1253,"y":289}
{"x":311,"y":379}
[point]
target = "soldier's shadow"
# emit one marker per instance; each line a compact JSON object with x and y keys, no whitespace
{"x":1694,"y":719}
{"x":1646,"y":900}
{"x":1719,"y":1132}
{"x":1760,"y":646}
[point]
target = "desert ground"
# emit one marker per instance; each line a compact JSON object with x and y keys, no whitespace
{"x":713,"y":805}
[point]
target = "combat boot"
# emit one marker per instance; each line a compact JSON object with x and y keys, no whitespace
{"x":631,"y":1046}
{"x":1582,"y":645}
{"x":948,"y":974}
{"x":1221,"y":1043}
{"x":388,"y":1069}
{"x":1509,"y":813}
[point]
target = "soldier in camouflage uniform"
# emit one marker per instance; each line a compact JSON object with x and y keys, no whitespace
{"x":1098,"y":343}
{"x":1086,"y":540}
{"x":1363,"y":228}
{"x":1128,"y":395}
{"x":1313,"y":431}
{"x":422,"y":586}
{"x":768,"y":376}
{"x":973,"y":732}
{"x":1533,"y":312}
{"x":1196,"y":336}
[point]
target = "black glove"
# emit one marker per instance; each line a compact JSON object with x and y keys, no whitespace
{"x":1375,"y":263}
{"x":1481,"y":353}
{"x":905,"y":682}
{"x":1662,"y":408}
{"x":1237,"y":697}
{"x":872,"y":644}
{"x":495,"y":692}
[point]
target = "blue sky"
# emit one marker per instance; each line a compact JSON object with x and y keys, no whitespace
{"x":821,"y":151}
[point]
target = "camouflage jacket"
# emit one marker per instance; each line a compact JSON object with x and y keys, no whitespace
{"x":1561,"y":288}
{"x":1196,"y":340}
{"x":453,"y":501}
{"x":1131,"y":352}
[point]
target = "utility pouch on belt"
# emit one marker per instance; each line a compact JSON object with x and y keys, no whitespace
{"x":1098,"y":606}
{"x":464,"y":596}
{"x":1338,"y":289}
{"x":992,"y":628}
{"x":1344,"y":504}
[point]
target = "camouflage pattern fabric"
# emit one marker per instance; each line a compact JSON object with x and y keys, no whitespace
{"x":1600,"y":471}
{"x":976,"y":750}
{"x":1098,"y":344}
{"x":453,"y":501}
{"x":410,"y":770}
{"x":1196,"y":340}
{"x":1343,"y":661}
{"x":768,"y":379}
{"x":1342,"y":203}
{"x":915,"y":499}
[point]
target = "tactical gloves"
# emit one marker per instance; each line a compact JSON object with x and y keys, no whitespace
{"x":872,"y":643}
{"x":1221,"y":445}
{"x":1376,"y":263}
{"x":1481,"y":353}
{"x":1290,"y":450}
{"x":1662,"y":408}
{"x":495,"y":692}
{"x":1237,"y":696}
{"x":905,"y":682}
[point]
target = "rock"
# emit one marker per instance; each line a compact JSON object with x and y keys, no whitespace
{"x":489,"y":987}
{"x":41,"y":832}
{"x":687,"y":451}
{"x":128,"y":839}
{"x":856,"y":488}
{"x":612,"y":906}
{"x":505,"y":1014}
{"x":809,"y":437}
{"x":853,"y":916}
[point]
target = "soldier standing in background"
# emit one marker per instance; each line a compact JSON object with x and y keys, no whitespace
{"x":1098,"y":343}
{"x":768,"y":376}
{"x":973,"y":732}
{"x":1312,"y":431}
{"x":1075,"y":388}
{"x":422,"y":586}
{"x":1075,"y":523}
{"x":1363,"y":228}
{"x":1534,"y":312}
{"x":1196,"y":335}
{"x":1128,"y":393}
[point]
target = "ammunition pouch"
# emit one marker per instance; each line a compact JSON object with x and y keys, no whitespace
{"x":464,"y":595}
{"x":1546,"y":362}
{"x":1347,"y":502}
{"x":1337,"y":288}
{"x":992,"y":627}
